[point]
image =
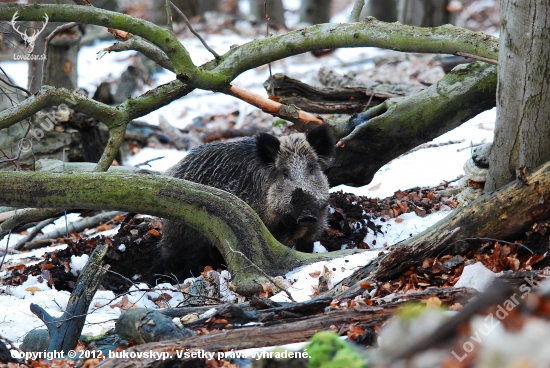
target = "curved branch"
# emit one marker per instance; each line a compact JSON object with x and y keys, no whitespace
{"x":445,"y":39}
{"x":221,"y":217}
{"x":136,"y":43}
{"x":217,"y":74}
{"x":111,"y":116}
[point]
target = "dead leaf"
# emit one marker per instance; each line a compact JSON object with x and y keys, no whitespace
{"x":355,"y":332}
{"x":375,"y":187}
{"x":153,"y":232}
{"x":433,"y":302}
{"x":364,"y":285}
{"x":119,"y":35}
{"x":32,"y":289}
{"x":315,"y":274}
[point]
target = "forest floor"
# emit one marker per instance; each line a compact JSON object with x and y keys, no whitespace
{"x":406,"y":196}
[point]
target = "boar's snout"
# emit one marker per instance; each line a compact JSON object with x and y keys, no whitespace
{"x":304,"y":208}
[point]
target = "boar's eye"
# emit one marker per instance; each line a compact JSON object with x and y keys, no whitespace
{"x":285,"y":173}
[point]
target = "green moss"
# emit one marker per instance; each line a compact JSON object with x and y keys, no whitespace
{"x":326,"y":350}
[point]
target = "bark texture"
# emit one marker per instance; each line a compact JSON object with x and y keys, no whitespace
{"x":522,"y":133}
{"x":61,"y":68}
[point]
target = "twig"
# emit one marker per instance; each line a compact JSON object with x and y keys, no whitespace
{"x":64,"y":336}
{"x":10,"y":83}
{"x":481,"y":58}
{"x":494,"y":295}
{"x":497,"y":240}
{"x":7,"y":246}
{"x":470,"y":146}
{"x":260,"y":270}
{"x":169,"y":17}
{"x":356,"y":11}
{"x":272,"y":107}
{"x":75,"y":227}
{"x":61,"y":28}
{"x":146,"y":48}
{"x":194,"y":32}
{"x":147,"y":162}
{"x":267,"y":35}
{"x":33,"y":233}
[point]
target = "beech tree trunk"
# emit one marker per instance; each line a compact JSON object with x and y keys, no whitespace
{"x":315,"y":11}
{"x":275,"y":11}
{"x":424,"y":13}
{"x":190,"y":8}
{"x":384,"y":10}
{"x":522,"y":133}
{"x":61,"y":68}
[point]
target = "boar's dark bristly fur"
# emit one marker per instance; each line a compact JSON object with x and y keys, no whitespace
{"x":280,"y":178}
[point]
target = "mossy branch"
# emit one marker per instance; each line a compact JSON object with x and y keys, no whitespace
{"x":445,"y":39}
{"x":221,"y":217}
{"x":217,"y":74}
{"x":371,"y":139}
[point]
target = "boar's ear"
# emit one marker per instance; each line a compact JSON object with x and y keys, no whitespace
{"x":268,"y":147}
{"x":322,"y":141}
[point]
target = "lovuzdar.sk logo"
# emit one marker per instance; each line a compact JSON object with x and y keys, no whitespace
{"x":28,"y":39}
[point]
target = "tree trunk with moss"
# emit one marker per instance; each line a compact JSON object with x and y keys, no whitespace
{"x":394,"y":127}
{"x":522,"y":132}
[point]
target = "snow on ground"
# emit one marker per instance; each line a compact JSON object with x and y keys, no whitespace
{"x":424,"y":167}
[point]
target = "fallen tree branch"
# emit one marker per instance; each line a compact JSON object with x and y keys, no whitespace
{"x":287,"y":112}
{"x":502,"y":214}
{"x":384,"y":132}
{"x":64,"y":336}
{"x":73,"y":227}
{"x":349,"y":99}
{"x":495,"y":294}
{"x":218,"y":215}
{"x":37,"y":228}
{"x":291,"y":330}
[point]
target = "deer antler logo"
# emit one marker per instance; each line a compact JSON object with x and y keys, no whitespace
{"x":28,"y":39}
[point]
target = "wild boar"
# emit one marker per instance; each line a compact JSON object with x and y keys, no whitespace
{"x":280,"y":178}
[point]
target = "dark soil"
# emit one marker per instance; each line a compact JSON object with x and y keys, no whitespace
{"x":353,"y":215}
{"x":130,"y":256}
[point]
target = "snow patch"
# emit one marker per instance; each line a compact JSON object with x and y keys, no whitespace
{"x":476,"y":276}
{"x":78,"y":263}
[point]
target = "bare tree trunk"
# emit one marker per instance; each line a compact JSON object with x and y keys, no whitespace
{"x":384,"y":10}
{"x":522,"y":134}
{"x":275,"y":10}
{"x":424,"y":13}
{"x":61,"y":68}
{"x":190,"y":8}
{"x":315,"y":11}
{"x":209,"y":5}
